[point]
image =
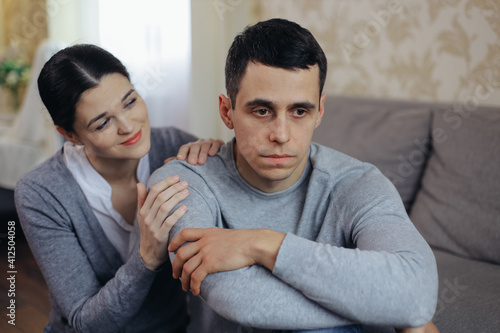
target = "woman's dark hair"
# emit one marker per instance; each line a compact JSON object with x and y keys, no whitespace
{"x":276,"y":43}
{"x":68,"y":74}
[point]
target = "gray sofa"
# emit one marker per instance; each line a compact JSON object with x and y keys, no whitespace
{"x":445,"y":162}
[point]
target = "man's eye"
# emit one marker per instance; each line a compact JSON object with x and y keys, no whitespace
{"x":261,"y":112}
{"x":300,"y":112}
{"x":102,"y":125}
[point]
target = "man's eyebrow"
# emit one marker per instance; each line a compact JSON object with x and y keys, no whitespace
{"x":260,"y":102}
{"x":302,"y":105}
{"x":267,"y":103}
{"x":93,"y":120}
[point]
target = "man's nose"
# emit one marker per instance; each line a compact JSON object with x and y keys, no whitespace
{"x":280,"y":130}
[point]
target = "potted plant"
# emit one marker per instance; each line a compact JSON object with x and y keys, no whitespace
{"x":14,"y":74}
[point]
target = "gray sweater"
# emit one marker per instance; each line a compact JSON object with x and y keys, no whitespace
{"x":91,"y":288}
{"x":350,"y":255}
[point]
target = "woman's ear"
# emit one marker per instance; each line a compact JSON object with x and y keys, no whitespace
{"x":70,"y":136}
{"x":225,"y":110}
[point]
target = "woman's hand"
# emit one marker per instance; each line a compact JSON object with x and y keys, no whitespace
{"x":154,"y":220}
{"x":198,"y":151}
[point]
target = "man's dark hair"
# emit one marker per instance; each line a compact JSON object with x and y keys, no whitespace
{"x":68,"y":74}
{"x":276,"y":43}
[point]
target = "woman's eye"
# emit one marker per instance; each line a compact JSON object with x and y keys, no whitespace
{"x":102,"y":125}
{"x":130,"y":102}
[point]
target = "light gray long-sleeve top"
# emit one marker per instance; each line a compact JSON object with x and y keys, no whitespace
{"x":350,"y":255}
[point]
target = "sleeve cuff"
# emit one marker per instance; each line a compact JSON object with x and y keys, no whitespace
{"x":135,"y":261}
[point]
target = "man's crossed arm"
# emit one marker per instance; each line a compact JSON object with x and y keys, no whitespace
{"x":219,"y":250}
{"x":289,"y":282}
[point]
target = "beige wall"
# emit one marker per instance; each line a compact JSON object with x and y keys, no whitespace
{"x":447,"y":51}
{"x":214,"y":24}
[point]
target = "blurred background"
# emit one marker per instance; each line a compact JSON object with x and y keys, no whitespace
{"x":175,"y":49}
{"x":418,"y":50}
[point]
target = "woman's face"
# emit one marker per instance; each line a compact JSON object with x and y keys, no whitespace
{"x":112,"y":121}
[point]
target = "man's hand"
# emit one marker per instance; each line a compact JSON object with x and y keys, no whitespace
{"x":427,"y":328}
{"x":218,"y":250}
{"x":198,"y":151}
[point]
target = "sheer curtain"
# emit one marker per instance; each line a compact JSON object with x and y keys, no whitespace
{"x":153,"y":39}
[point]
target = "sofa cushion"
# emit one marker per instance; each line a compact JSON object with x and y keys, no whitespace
{"x":392,"y":135}
{"x":458,"y":206}
{"x":468,"y":295}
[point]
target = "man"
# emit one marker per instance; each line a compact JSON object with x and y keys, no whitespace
{"x":300,"y":236}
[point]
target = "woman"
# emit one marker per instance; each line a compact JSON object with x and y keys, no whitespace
{"x":78,"y":209}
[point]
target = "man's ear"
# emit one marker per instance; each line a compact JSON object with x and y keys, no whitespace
{"x":225,"y":110}
{"x":321,"y":110}
{"x":70,"y":136}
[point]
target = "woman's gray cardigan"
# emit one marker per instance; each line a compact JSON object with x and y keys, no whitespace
{"x":91,"y":289}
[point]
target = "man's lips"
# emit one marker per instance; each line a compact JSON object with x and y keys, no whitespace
{"x":133,"y":140}
{"x":278,"y":158}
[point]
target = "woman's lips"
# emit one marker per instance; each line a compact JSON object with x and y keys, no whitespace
{"x":133,"y":140}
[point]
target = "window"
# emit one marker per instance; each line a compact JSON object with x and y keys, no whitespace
{"x":153,"y":40}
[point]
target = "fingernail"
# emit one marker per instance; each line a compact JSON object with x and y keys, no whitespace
{"x":184,"y":183}
{"x":185,"y":192}
{"x":175,"y":178}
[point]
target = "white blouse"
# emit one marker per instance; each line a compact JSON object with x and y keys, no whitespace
{"x":124,"y":237}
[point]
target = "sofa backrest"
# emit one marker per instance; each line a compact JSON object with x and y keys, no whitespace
{"x":443,"y":160}
{"x":394,"y":136}
{"x":458,"y":206}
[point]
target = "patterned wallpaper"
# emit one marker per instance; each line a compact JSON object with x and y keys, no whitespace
{"x":429,"y":50}
{"x":24,"y":24}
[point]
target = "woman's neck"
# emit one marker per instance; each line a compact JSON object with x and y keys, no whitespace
{"x":114,"y":170}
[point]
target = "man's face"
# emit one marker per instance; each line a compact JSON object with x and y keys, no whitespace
{"x":274,"y":118}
